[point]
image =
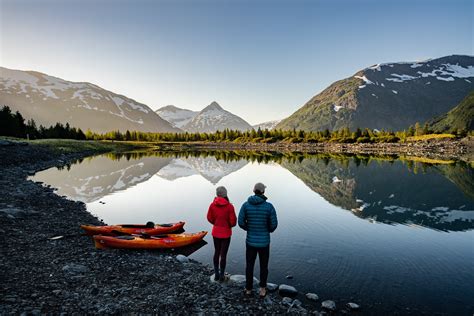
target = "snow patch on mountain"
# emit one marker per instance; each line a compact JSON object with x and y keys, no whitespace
{"x":55,"y":98}
{"x":364,"y":78}
{"x":176,"y":116}
{"x":213,"y":118}
{"x":266,"y":125}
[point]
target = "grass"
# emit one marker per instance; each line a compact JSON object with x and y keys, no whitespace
{"x":429,"y":137}
{"x":65,"y":146}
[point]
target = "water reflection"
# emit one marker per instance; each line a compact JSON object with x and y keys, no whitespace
{"x":392,"y":191}
{"x":382,"y":189}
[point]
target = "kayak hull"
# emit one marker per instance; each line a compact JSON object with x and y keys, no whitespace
{"x":112,"y":230}
{"x":136,"y":242}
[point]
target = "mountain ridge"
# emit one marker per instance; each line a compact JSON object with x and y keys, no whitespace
{"x":389,"y":96}
{"x":49,"y":100}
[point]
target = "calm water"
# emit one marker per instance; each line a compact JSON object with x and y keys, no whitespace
{"x":387,"y":233}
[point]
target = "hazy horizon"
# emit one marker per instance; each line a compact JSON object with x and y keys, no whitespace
{"x":260,"y":60}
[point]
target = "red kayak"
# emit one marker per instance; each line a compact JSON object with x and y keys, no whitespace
{"x":114,"y":230}
{"x":151,"y":242}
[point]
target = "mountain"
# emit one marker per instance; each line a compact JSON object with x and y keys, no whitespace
{"x":460,"y":117}
{"x":390,"y":96}
{"x":212,"y":118}
{"x":176,"y":116}
{"x":49,"y":100}
{"x":266,"y":125}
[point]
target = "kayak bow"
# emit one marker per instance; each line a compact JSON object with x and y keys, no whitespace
{"x":112,"y":230}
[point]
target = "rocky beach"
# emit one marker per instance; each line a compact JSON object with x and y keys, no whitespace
{"x":49,"y":267}
{"x":461,"y":149}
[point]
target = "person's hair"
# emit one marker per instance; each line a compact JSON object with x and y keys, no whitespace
{"x":258,"y":192}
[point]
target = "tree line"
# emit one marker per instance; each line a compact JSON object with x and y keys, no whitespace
{"x":13,"y":124}
{"x":344,"y":135}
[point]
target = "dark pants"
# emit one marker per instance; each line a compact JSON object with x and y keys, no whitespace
{"x":251,"y":256}
{"x":221,"y":246}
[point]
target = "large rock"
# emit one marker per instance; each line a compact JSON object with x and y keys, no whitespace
{"x":182,"y":259}
{"x":312,"y":296}
{"x":272,"y":287}
{"x":353,"y":306}
{"x":240,"y":279}
{"x":287,"y":290}
{"x":329,"y":305}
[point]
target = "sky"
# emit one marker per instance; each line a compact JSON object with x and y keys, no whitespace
{"x":261,"y":60}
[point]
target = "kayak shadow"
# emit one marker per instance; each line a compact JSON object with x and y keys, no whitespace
{"x":188,"y":250}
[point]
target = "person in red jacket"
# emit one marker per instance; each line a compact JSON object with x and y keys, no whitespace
{"x":221,"y":214}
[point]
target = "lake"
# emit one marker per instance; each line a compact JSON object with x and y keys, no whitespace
{"x":393,"y":234}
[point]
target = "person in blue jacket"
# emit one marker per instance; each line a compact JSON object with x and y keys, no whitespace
{"x":258,"y":217}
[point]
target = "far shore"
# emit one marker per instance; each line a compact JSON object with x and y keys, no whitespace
{"x":435,"y":149}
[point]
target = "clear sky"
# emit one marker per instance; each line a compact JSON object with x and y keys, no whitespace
{"x":261,"y":60}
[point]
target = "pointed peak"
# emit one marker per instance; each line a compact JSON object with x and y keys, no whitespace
{"x":212,"y":106}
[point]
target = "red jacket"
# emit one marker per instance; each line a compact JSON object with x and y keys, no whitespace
{"x":221,"y":214}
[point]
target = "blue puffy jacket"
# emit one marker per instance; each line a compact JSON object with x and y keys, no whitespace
{"x":259,"y":219}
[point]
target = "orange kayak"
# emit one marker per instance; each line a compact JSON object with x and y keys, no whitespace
{"x":151,"y":242}
{"x":113,"y":230}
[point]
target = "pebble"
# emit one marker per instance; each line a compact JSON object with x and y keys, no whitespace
{"x":286,"y":301}
{"x":73,"y":268}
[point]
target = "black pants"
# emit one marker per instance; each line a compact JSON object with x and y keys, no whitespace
{"x":221,"y":246}
{"x":251,"y":256}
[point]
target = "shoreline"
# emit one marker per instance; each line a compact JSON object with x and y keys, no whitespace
{"x":435,"y":149}
{"x":68,"y":275}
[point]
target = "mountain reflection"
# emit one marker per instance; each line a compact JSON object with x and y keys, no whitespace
{"x":385,"y":189}
{"x":394,"y":191}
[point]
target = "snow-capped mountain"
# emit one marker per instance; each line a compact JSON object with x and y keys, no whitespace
{"x":213,"y":117}
{"x":390,"y":96}
{"x":176,"y":116}
{"x":49,"y":100}
{"x":266,"y":125}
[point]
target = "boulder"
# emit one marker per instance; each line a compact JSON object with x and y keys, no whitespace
{"x":240,"y":279}
{"x":287,"y":290}
{"x":353,"y":306}
{"x":312,"y":296}
{"x":182,"y":259}
{"x":272,"y":287}
{"x":329,"y":305}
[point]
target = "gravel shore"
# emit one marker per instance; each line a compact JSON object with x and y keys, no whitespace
{"x":40,"y":275}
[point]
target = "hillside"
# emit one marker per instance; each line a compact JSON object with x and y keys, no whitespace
{"x":49,"y":100}
{"x":389,"y":96}
{"x":460,"y":117}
